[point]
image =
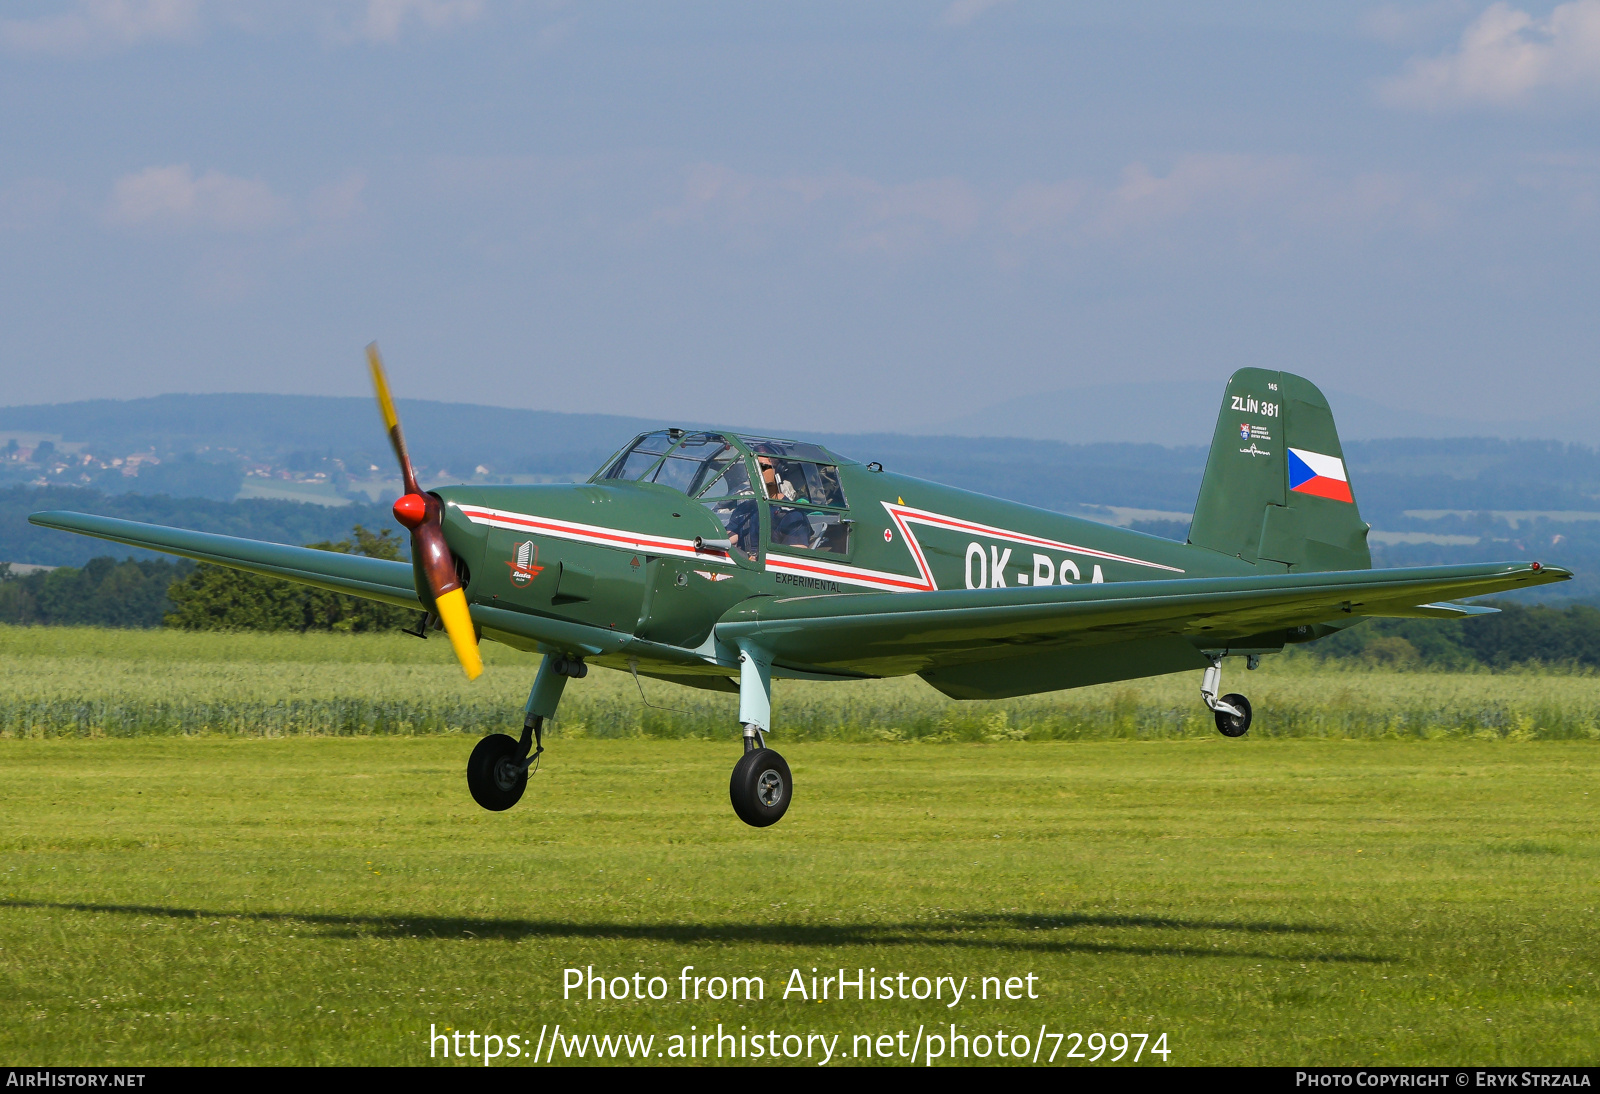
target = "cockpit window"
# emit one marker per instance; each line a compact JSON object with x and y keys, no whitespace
{"x":698,"y":458}
{"x":728,"y":478}
{"x":698,"y":464}
{"x":808,"y":528}
{"x":808,"y":483}
{"x":641,"y":457}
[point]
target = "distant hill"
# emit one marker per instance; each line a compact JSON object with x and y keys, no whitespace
{"x":277,"y":521}
{"x":277,"y":428}
{"x":204,"y":440}
{"x":1429,"y":499}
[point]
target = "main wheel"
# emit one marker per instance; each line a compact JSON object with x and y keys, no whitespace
{"x":760,"y":787}
{"x":495,"y":775}
{"x":1234,"y":725}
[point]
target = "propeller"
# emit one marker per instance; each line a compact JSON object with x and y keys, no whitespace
{"x":421,"y":513}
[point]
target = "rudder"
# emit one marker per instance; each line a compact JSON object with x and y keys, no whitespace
{"x":1276,"y":492}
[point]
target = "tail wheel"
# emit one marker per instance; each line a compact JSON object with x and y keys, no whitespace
{"x":761,"y":787}
{"x":495,"y":773}
{"x":1234,"y":725}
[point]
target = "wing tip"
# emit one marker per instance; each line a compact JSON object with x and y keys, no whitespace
{"x":1552,"y":573}
{"x":53,"y":518}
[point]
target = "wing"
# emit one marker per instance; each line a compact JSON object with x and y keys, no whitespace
{"x":893,"y":633}
{"x":373,"y":578}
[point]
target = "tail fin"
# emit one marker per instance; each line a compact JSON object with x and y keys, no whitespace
{"x":1276,"y":492}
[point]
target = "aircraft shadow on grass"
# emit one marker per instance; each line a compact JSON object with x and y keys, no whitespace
{"x":976,"y":931}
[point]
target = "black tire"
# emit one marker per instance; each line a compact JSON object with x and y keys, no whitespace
{"x":761,"y":788}
{"x":494,"y":773}
{"x":1230,"y":725}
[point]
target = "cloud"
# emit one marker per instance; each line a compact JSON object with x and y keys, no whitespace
{"x":1506,"y":58}
{"x":1396,"y":26}
{"x":1265,"y":205}
{"x":100,"y":25}
{"x":864,"y":214}
{"x":173,"y":198}
{"x":103,"y":26}
{"x":1205,"y":183}
{"x":962,"y":12}
{"x":1263,"y":201}
{"x":385,"y":20}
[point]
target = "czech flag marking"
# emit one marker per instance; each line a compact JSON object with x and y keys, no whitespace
{"x":1318,"y":475}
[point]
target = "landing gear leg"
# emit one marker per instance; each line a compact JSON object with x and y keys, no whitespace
{"x":498,"y":769}
{"x":761,"y":785}
{"x":1232,"y":711}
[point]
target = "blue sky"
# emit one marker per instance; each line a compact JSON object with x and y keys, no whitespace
{"x":814,"y":215}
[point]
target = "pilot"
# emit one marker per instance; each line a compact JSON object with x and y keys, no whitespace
{"x":778,"y":488}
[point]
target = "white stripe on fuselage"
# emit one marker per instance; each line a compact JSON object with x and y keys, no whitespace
{"x":620,"y":538}
{"x":903,"y":516}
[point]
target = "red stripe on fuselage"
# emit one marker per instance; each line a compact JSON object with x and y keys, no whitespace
{"x":784,"y":564}
{"x":607,"y":536}
{"x":902,"y":515}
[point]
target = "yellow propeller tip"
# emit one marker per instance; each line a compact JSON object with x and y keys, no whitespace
{"x":380,"y":384}
{"x":457,"y":620}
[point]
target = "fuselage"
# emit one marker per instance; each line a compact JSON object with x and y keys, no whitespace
{"x":657,"y":547}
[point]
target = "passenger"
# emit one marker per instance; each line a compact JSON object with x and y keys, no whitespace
{"x":790,"y":527}
{"x":744,"y":526}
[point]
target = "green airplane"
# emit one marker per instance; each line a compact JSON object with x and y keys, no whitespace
{"x":722,"y":560}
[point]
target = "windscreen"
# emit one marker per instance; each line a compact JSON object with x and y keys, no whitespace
{"x":694,"y":463}
{"x":641,"y":456}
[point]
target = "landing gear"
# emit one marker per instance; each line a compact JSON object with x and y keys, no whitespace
{"x":498,"y":769}
{"x":1232,"y":711}
{"x":1230,"y":724}
{"x":497,"y":772}
{"x":761,"y":786}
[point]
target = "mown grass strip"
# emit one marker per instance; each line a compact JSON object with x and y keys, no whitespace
{"x":324,"y":900}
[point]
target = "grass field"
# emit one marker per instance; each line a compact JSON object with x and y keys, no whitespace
{"x":212,"y":892}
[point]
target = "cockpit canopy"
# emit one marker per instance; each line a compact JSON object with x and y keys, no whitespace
{"x":731,"y":474}
{"x":712,"y":465}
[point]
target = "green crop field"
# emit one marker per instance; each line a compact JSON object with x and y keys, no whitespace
{"x":83,"y":681}
{"x":255,"y":849}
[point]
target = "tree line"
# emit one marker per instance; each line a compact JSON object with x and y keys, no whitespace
{"x":1518,"y":634}
{"x":189,"y":596}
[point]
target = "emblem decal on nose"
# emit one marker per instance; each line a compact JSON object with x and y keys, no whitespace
{"x":525,"y":567}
